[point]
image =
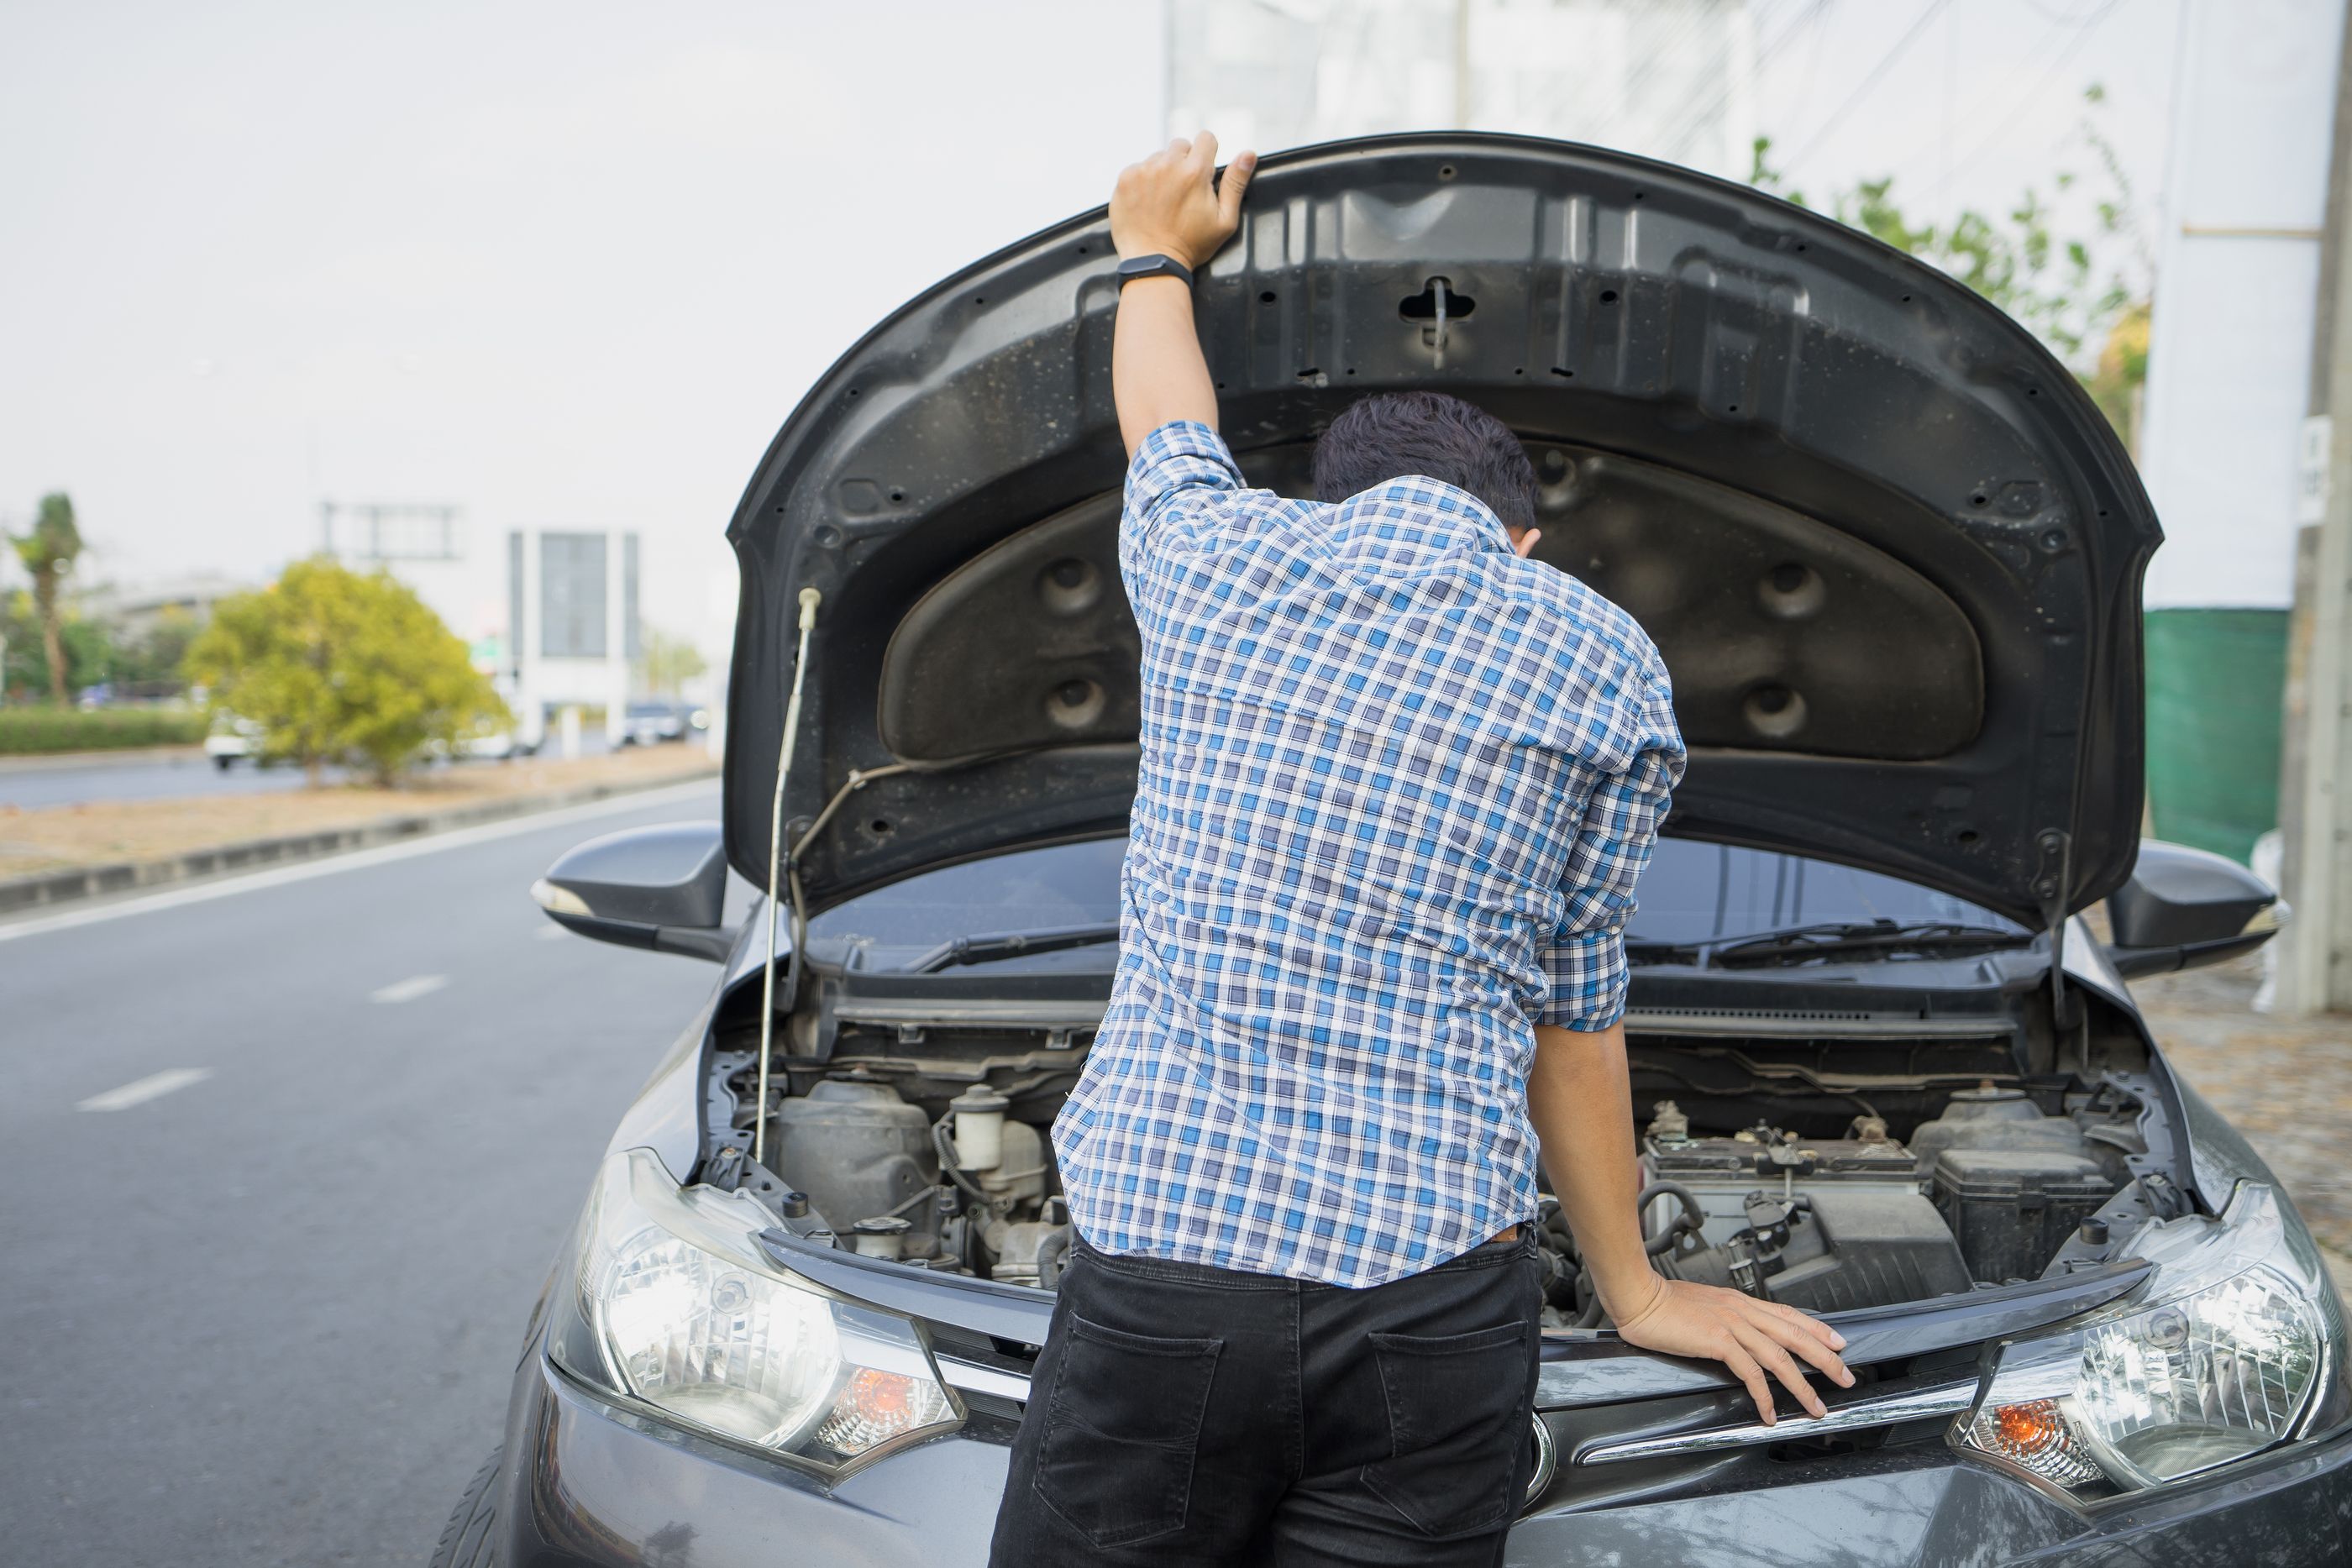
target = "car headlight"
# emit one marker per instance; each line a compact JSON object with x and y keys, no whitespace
{"x":2224,"y":1353}
{"x":680,"y":1306}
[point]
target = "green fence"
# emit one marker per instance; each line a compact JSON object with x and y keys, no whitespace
{"x":2214,"y":679}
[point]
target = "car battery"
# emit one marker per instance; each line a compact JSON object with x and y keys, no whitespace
{"x":2013,"y":1209}
{"x":1721,"y":1173}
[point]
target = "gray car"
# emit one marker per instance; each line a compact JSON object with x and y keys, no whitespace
{"x":1883,"y":1067}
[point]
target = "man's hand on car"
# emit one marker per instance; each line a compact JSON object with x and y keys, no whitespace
{"x":1749,"y":1336}
{"x":1171,"y":204}
{"x":1580,"y":1102}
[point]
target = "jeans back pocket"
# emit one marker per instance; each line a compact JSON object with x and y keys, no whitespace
{"x":1458,"y":1408}
{"x":1122,"y":1426}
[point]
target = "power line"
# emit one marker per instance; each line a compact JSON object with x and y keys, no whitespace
{"x":2084,"y":30}
{"x":1692,"y":15}
{"x":1871,"y":79}
{"x":1700,"y":115}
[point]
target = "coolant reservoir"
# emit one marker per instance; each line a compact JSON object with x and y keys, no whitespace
{"x":980,"y":1128}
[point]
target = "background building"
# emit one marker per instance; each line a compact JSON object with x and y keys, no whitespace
{"x":572,"y":618}
{"x":2229,"y":381}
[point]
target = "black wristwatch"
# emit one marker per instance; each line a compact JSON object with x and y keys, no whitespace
{"x":1136,"y":267}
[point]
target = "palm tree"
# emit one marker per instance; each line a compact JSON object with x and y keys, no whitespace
{"x":48,"y":553}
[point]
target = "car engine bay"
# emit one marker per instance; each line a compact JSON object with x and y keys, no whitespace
{"x":1764,"y":1165}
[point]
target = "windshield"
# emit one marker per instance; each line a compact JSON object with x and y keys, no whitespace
{"x":1691,"y":893}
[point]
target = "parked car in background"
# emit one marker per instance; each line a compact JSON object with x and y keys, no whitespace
{"x":231,"y":740}
{"x":498,"y":746}
{"x":1884,"y":1067}
{"x":652,"y":721}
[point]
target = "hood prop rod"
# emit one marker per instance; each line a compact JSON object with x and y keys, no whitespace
{"x":2051,"y":884}
{"x":810,"y":599}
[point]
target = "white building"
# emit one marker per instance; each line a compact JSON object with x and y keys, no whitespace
{"x":572,"y":615}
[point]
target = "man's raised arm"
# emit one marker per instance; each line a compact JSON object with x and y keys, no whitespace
{"x":1170,"y":205}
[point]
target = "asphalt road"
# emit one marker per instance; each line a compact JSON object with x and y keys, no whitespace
{"x":144,"y":778}
{"x":284,"y":1170}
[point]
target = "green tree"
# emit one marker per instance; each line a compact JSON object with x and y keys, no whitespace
{"x":335,"y":666}
{"x":155,"y":658}
{"x":2064,"y":287}
{"x":48,"y":553}
{"x":665,"y":663}
{"x":25,"y":668}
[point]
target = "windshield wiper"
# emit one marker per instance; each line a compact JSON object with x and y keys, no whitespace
{"x":1840,"y":939}
{"x":989,"y":948}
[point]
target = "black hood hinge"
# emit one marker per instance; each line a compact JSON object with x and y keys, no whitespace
{"x":2051,"y":879}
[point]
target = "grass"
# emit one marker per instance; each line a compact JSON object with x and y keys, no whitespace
{"x":30,"y":731}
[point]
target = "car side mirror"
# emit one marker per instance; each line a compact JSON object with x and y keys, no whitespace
{"x":2186,"y":907}
{"x":663,"y":888}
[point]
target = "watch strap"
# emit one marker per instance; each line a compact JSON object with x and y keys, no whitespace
{"x":1153,"y":266}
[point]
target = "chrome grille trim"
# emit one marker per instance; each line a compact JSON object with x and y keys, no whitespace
{"x":1883,"y":1411}
{"x":958,"y":1373}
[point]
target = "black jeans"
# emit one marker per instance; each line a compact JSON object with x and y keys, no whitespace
{"x":1184,"y":1413}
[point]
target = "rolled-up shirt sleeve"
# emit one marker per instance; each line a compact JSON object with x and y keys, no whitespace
{"x":1182,"y":488}
{"x":1584,"y":965}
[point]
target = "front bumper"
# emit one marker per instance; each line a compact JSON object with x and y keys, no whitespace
{"x":587,"y":1483}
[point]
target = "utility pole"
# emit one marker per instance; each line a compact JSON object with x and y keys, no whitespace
{"x":2314,"y":973}
{"x":1462,"y":94}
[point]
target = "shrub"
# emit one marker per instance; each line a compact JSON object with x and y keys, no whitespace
{"x":334,"y":666}
{"x":26,"y":731}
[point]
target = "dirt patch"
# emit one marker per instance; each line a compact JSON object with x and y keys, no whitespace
{"x":109,"y":832}
{"x":2285,"y":1084}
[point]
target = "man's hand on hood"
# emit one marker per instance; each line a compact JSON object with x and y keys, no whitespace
{"x":1172,"y":203}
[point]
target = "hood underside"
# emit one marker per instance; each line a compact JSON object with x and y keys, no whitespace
{"x":1890,"y":552}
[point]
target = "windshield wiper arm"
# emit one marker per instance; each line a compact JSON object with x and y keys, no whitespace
{"x":995,"y":944}
{"x":1803,"y":942}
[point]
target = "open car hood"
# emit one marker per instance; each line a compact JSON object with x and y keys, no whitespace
{"x":1890,"y":550}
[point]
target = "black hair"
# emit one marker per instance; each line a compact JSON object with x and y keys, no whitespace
{"x":1389,"y":434}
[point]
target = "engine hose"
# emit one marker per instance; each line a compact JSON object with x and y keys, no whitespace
{"x":1691,"y":1218}
{"x":1050,"y":1253}
{"x":946,"y":1150}
{"x":1590,"y":1317}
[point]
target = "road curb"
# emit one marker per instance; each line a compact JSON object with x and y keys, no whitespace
{"x":43,"y":889}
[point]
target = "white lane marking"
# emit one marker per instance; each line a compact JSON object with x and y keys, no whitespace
{"x":409,"y":989}
{"x":154,"y":1086}
{"x":356,"y":860}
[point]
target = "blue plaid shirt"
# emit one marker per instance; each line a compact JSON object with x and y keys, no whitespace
{"x":1396,"y":786}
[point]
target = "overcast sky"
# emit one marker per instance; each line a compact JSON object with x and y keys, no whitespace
{"x":570,"y":265}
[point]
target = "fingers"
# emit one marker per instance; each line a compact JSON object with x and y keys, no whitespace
{"x":1809,"y":1323}
{"x":1236,"y":181}
{"x":1808,"y":1337}
{"x":1179,"y":149}
{"x":1203,"y":155}
{"x":1780,"y":1364}
{"x":1743,"y":1368}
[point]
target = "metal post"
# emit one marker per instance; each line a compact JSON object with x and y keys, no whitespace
{"x":2314,"y":816}
{"x":1462,"y":93}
